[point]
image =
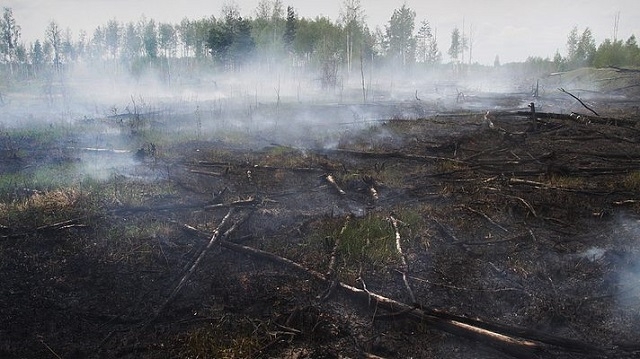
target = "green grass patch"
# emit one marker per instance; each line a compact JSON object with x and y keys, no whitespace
{"x":632,"y":181}
{"x":363,"y":242}
{"x":227,"y":339}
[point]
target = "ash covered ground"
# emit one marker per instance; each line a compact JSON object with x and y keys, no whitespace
{"x":158,"y":225}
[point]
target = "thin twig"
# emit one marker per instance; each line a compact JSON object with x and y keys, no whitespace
{"x":51,"y":350}
{"x":483,"y":216}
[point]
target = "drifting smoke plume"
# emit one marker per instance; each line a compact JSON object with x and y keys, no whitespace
{"x":629,"y":275}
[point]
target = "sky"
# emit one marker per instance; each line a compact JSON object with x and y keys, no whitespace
{"x":513,"y":30}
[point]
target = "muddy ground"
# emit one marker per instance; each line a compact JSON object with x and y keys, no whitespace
{"x":518,"y":224}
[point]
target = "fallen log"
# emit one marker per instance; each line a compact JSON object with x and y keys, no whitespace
{"x":573,"y":117}
{"x":516,"y":342}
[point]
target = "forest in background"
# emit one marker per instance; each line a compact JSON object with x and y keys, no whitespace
{"x":274,"y":38}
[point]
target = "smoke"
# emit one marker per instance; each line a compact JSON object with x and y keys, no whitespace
{"x":628,"y":294}
{"x":114,"y":108}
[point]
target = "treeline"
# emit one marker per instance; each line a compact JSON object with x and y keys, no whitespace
{"x":583,"y":52}
{"x":274,"y":38}
{"x":275,"y":35}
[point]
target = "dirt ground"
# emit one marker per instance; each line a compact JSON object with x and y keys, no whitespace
{"x":529,"y":227}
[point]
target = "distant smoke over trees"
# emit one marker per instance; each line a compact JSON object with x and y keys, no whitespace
{"x":274,"y":38}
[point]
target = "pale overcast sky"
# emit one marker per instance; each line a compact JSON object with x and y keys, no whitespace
{"x":511,"y":29}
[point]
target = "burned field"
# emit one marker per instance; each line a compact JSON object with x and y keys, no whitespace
{"x":431,"y":235}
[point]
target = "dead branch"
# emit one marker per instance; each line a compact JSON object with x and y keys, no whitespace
{"x":206,"y":173}
{"x":494,"y":290}
{"x":446,"y":231}
{"x":540,"y":185}
{"x":526,"y":204}
{"x":579,"y":100}
{"x":332,"y":180}
{"x":71,"y":223}
{"x":370,"y":182}
{"x":518,"y":181}
{"x":214,"y":238}
{"x":517,"y":342}
{"x":390,"y":155}
{"x":403,"y":258}
{"x":94,"y":149}
{"x":60,"y":225}
{"x":483,"y":216}
{"x":331,"y":272}
{"x":626,"y":201}
{"x":500,"y":241}
{"x":240,"y":203}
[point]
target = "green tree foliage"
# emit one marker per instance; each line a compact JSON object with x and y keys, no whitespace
{"x":9,"y":36}
{"x":400,"y":39}
{"x":328,"y":47}
{"x":112,"y":37}
{"x":167,"y":39}
{"x":352,"y":20}
{"x":315,"y":45}
{"x":267,"y":31}
{"x":54,"y":38}
{"x":230,"y":41}
{"x":37,"y":57}
{"x":132,"y":42}
{"x":289,"y":35}
{"x":427,"y":45}
{"x":81,"y":44}
{"x":187,"y":34}
{"x":610,"y":53}
{"x":617,"y":53}
{"x":456,"y":45}
{"x":68,"y":48}
{"x":632,"y":51}
{"x":150,"y":39}
{"x":581,"y":49}
{"x":97,"y":44}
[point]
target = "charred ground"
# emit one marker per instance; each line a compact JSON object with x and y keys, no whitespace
{"x":515,"y":224}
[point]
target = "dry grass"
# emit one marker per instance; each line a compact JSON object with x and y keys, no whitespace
{"x":42,"y":208}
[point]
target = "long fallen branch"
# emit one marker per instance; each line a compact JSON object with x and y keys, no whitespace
{"x":514,"y":341}
{"x":400,"y":155}
{"x":517,"y":342}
